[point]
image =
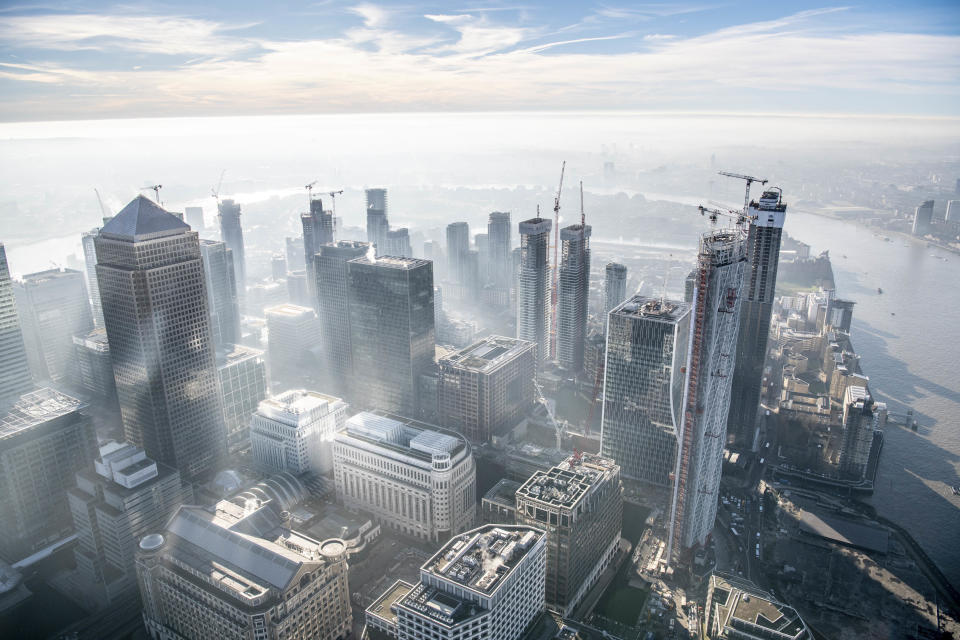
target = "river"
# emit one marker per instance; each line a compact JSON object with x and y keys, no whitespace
{"x":908,"y":339}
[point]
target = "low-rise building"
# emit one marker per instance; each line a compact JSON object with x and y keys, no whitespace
{"x":737,"y":609}
{"x":294,"y":431}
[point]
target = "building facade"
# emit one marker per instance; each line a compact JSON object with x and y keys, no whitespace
{"x":859,"y":423}
{"x":94,"y":366}
{"x":923,"y":219}
{"x":242,"y":378}
{"x":615,"y":286}
{"x":293,"y":344}
{"x":642,"y":413}
{"x":487,"y":387}
{"x":499,"y":246}
{"x":90,"y":270}
{"x":533,"y":285}
{"x":231,"y":232}
{"x":737,"y":610}
{"x":377,"y":222}
{"x":294,"y":431}
{"x":153,"y":291}
{"x":580,"y":504}
{"x":418,"y":479}
{"x":14,"y":366}
{"x":573,"y":296}
{"x":458,"y":246}
{"x":317,"y":231}
{"x":222,"y":297}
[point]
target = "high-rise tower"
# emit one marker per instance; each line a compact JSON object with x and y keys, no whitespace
{"x":573,"y":295}
{"x":221,"y":292}
{"x":14,"y":366}
{"x":232,"y":235}
{"x":760,"y":283}
{"x":377,"y":223}
{"x":90,"y":270}
{"x":498,"y":249}
{"x":317,"y":231}
{"x":154,"y":297}
{"x":458,"y":247}
{"x":715,"y":321}
{"x":615,"y":286}
{"x":533,"y":285}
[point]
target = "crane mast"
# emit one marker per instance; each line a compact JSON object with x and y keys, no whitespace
{"x":556,"y":266}
{"x":749,"y":179}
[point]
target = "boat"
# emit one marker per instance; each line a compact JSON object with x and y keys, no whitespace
{"x":879,"y":290}
{"x":956,"y":491}
{"x":892,"y":313}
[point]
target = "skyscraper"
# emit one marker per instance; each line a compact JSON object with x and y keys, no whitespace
{"x":533,"y":285}
{"x":14,"y":366}
{"x":153,"y":291}
{"x":923,"y":219}
{"x":317,"y":231}
{"x":333,"y":286}
{"x":953,"y":211}
{"x":392,"y":330}
{"x":715,"y":324}
{"x":615,"y":286}
{"x":194,"y":217}
{"x":221,"y":293}
{"x":643,"y":387}
{"x":242,"y":377}
{"x":377,"y":223}
{"x":573,"y":296}
{"x":293,"y":345}
{"x":458,"y":246}
{"x":859,"y":423}
{"x":498,"y":248}
{"x":53,"y":308}
{"x":231,"y":232}
{"x":90,"y":270}
{"x":397,"y":243}
{"x":763,"y":255}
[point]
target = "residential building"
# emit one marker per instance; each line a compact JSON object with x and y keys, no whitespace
{"x":458,"y":246}
{"x":231,"y":232}
{"x":952,"y":213}
{"x":242,"y":378}
{"x":715,"y":324}
{"x":615,"y":286}
{"x":153,"y":291}
{"x":499,"y":246}
{"x":294,"y":431}
{"x":397,"y":243}
{"x":120,"y":498}
{"x":391,"y":329}
{"x":53,"y":307}
{"x":44,"y":441}
{"x":377,"y":223}
{"x":333,"y":308}
{"x":317,"y":231}
{"x":737,"y":610}
{"x":236,"y":571}
{"x":222,"y":298}
{"x":417,"y":479}
{"x":763,"y":254}
{"x":488,"y":387}
{"x":923,"y":219}
{"x":533,"y":285}
{"x":573,"y":296}
{"x":293,"y":344}
{"x":486,"y":583}
{"x":94,"y":366}
{"x":859,"y":424}
{"x":580,"y":504}
{"x":642,"y":411}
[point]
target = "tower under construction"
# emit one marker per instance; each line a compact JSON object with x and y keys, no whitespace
{"x":573,"y":295}
{"x":533,"y":281}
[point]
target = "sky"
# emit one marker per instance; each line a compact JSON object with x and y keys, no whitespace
{"x":92,"y":60}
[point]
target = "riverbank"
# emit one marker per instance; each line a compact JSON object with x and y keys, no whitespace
{"x":882,"y":232}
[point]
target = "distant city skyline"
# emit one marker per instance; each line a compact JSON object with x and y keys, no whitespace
{"x":92,"y":60}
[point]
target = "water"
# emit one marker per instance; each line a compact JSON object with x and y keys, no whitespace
{"x":911,"y":359}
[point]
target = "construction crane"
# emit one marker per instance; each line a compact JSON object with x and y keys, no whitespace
{"x":216,"y":192}
{"x":156,"y":189}
{"x":556,"y":267}
{"x":333,"y":199}
{"x":309,"y":189}
{"x":740,"y":216}
{"x":750,"y":180}
{"x":103,"y":209}
{"x":558,"y":430}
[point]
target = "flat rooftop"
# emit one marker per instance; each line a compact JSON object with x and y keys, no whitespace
{"x":504,"y":492}
{"x":50,"y":274}
{"x":488,"y":353}
{"x":289,"y":310}
{"x":405,"y":436}
{"x":36,"y":408}
{"x":846,"y":532}
{"x":481,"y":559}
{"x":237,"y":353}
{"x":651,"y":308}
{"x":392,"y":262}
{"x":567,"y":483}
{"x":381,"y":607}
{"x":752,"y":613}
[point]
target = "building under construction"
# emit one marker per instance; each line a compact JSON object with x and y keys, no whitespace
{"x":572,"y":296}
{"x":317,"y":231}
{"x":715,"y":322}
{"x":533,"y":292}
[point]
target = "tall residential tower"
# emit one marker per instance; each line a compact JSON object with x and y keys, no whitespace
{"x":573,"y":295}
{"x":533,"y":285}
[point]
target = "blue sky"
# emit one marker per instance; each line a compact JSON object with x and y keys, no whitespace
{"x":85,"y":60}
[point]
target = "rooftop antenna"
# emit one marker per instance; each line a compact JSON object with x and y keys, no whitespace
{"x":749,"y":179}
{"x":156,"y":189}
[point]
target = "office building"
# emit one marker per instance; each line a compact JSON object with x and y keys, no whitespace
{"x":293,"y":344}
{"x":278,"y":266}
{"x":242,"y":378}
{"x":579,"y":502}
{"x":90,"y":271}
{"x":94,"y":366}
{"x":859,"y":423}
{"x":120,"y":498}
{"x":759,"y":287}
{"x":533,"y":285}
{"x":294,"y":431}
{"x":715,"y":323}
{"x":397,"y":243}
{"x":458,"y":246}
{"x":163,"y":356}
{"x":840,"y":314}
{"x":615,"y":286}
{"x":377,"y":223}
{"x":486,"y":583}
{"x":14,"y":366}
{"x":194,"y":217}
{"x":333,"y":287}
{"x":317,"y":231}
{"x":53,"y":307}
{"x":488,"y":387}
{"x":298,"y":292}
{"x":923,"y":219}
{"x":392,"y":331}
{"x":499,"y":246}
{"x":499,"y":504}
{"x":231,"y":232}
{"x":573,"y":296}
{"x":236,"y":571}
{"x":642,"y":411}
{"x":222,"y":297}
{"x":44,"y":441}
{"x":737,"y":610}
{"x":415,"y":478}
{"x":952,"y":213}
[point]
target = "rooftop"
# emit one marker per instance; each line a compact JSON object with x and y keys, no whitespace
{"x":504,"y":492}
{"x":403,"y":435}
{"x":237,"y":353}
{"x":652,"y":309}
{"x":567,"y":483}
{"x":488,"y":353}
{"x":143,"y":219}
{"x":382,"y":607}
{"x":288,"y":310}
{"x":535,"y":225}
{"x":298,"y":405}
{"x":392,"y":262}
{"x":50,"y":274}
{"x":481,"y":560}
{"x":743,"y":611}
{"x":96,"y":340}
{"x":35,"y":408}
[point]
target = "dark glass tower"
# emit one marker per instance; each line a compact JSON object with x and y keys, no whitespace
{"x":221,"y":292}
{"x":317,"y":231}
{"x":377,"y":223}
{"x":14,"y":366}
{"x":154,"y":297}
{"x":573,"y":295}
{"x":232,"y":235}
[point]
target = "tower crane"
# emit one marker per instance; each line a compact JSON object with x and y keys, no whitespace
{"x":333,"y":199}
{"x":558,"y":430}
{"x":741,"y":217}
{"x":750,"y":180}
{"x":156,"y":189}
{"x":309,"y":189}
{"x":556,"y":267}
{"x":216,"y":192}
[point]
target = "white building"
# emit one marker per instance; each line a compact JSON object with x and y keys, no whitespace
{"x":414,"y":477}
{"x":486,"y":583}
{"x":294,"y":431}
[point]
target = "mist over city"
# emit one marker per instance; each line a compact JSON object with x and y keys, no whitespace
{"x":393,"y":321}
